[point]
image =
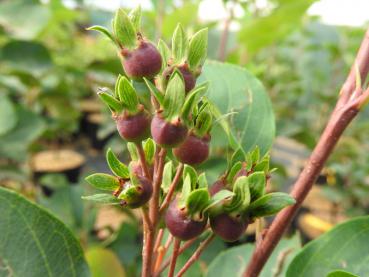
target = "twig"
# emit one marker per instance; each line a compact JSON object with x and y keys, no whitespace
{"x":172,"y":188}
{"x":141,"y":154}
{"x":167,"y":261}
{"x":162,"y":250}
{"x":147,"y":240}
{"x":158,"y":239}
{"x":347,"y":107}
{"x":196,"y":255}
{"x":175,"y":254}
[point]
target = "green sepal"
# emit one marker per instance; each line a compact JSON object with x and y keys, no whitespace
{"x":252,"y":158}
{"x":123,"y":29}
{"x":132,"y":151}
{"x":103,"y":181}
{"x":165,"y":53}
{"x":115,"y":105}
{"x":196,"y":202}
{"x":130,"y":194}
{"x":127,"y":94}
{"x":167,"y":176}
{"x":191,"y":172}
{"x":237,"y":156}
{"x":203,"y":123}
{"x":135,"y":17}
{"x":174,"y":97}
{"x":102,"y":198}
{"x":149,"y":147}
{"x":198,"y":48}
{"x":270,"y":204}
{"x":192,"y":98}
{"x":241,"y":198}
{"x":218,"y":200}
{"x":257,"y":182}
{"x":233,"y":171}
{"x":263,"y":165}
{"x":116,"y":166}
{"x":179,"y":44}
{"x":154,"y":91}
{"x":202,"y":181}
{"x":104,"y":31}
{"x":186,"y":190}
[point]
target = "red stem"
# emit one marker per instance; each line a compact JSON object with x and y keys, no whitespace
{"x":172,"y":188}
{"x":175,"y":253}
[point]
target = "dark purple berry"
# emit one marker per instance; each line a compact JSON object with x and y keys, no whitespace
{"x":167,"y":134}
{"x":134,"y":128}
{"x":193,"y":150}
{"x":134,"y":196}
{"x":180,"y":225}
{"x":144,"y":61}
{"x":227,"y":227}
{"x":188,"y":77}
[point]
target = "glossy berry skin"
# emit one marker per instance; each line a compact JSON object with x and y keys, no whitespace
{"x":134,"y":128}
{"x":180,"y":225}
{"x":144,"y":61}
{"x":227,"y":227}
{"x":139,"y":194}
{"x":167,"y":134}
{"x":193,"y":150}
{"x":188,"y":76}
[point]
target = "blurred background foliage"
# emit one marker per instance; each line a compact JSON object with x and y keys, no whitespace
{"x":51,"y":68}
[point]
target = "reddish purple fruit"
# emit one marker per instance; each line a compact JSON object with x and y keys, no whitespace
{"x":180,"y":225}
{"x":134,"y":128}
{"x":188,"y":76}
{"x":227,"y":227}
{"x":193,"y":150}
{"x":137,"y":168}
{"x":136,"y":196}
{"x":144,"y":61}
{"x":167,"y":134}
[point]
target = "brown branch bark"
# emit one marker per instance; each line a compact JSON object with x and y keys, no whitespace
{"x":347,"y":107}
{"x":175,"y":254}
{"x":141,"y":154}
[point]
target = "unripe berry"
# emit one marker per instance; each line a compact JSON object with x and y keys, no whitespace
{"x":180,"y":225}
{"x":227,"y":227}
{"x":144,"y":61}
{"x":134,"y":128}
{"x":167,"y":134}
{"x":188,"y":77}
{"x":141,"y":195}
{"x":193,"y":150}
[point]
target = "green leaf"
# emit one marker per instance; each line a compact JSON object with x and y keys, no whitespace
{"x":102,"y":198}
{"x":341,"y":273}
{"x":256,"y":184}
{"x":135,"y":17}
{"x":263,"y":165}
{"x":219,"y":198}
{"x":186,"y":190}
{"x":191,"y":99}
{"x":238,"y":156}
{"x":234,"y":90}
{"x":190,"y":171}
{"x":111,"y":102}
{"x":124,"y":30}
{"x":8,"y":115}
{"x":14,"y":144}
{"x":233,"y":261}
{"x":127,"y":94}
{"x":154,"y":91}
{"x":270,"y":204}
{"x":103,"y":181}
{"x":233,"y":171}
{"x":241,"y":188}
{"x":116,"y":166}
{"x":132,"y":149}
{"x":203,"y":183}
{"x":174,"y":97}
{"x":104,"y":263}
{"x":35,"y":243}
{"x":167,"y":176}
{"x":164,"y":52}
{"x":102,"y":30}
{"x":149,"y":149}
{"x":203,"y":122}
{"x":34,"y":57}
{"x":197,"y":201}
{"x":343,"y":247}
{"x":179,"y":44}
{"x":198,"y":48}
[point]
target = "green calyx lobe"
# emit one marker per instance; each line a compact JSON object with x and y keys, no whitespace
{"x":174,"y":97}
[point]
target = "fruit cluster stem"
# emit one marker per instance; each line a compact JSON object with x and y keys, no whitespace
{"x":141,"y":154}
{"x":172,"y":188}
{"x":175,"y":254}
{"x":351,"y":99}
